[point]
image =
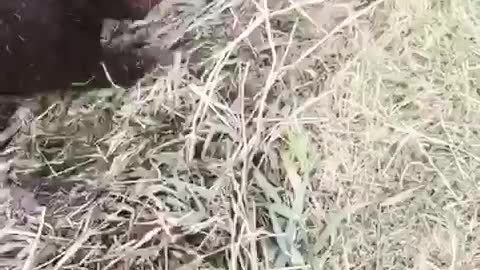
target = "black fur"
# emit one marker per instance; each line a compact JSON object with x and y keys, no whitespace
{"x":46,"y":45}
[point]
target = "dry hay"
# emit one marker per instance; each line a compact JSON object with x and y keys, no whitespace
{"x":335,"y":134}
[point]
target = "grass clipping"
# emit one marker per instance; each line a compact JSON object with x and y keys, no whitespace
{"x":318,"y":135}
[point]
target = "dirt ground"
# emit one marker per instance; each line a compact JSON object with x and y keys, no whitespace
{"x":299,"y":134}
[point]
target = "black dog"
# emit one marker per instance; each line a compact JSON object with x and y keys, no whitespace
{"x":47,"y":45}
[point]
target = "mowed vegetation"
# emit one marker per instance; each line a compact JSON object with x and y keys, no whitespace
{"x":308,"y":134}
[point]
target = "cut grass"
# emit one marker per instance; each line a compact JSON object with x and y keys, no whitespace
{"x":331,"y":135}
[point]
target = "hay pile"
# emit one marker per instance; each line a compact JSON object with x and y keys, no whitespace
{"x":303,"y":135}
